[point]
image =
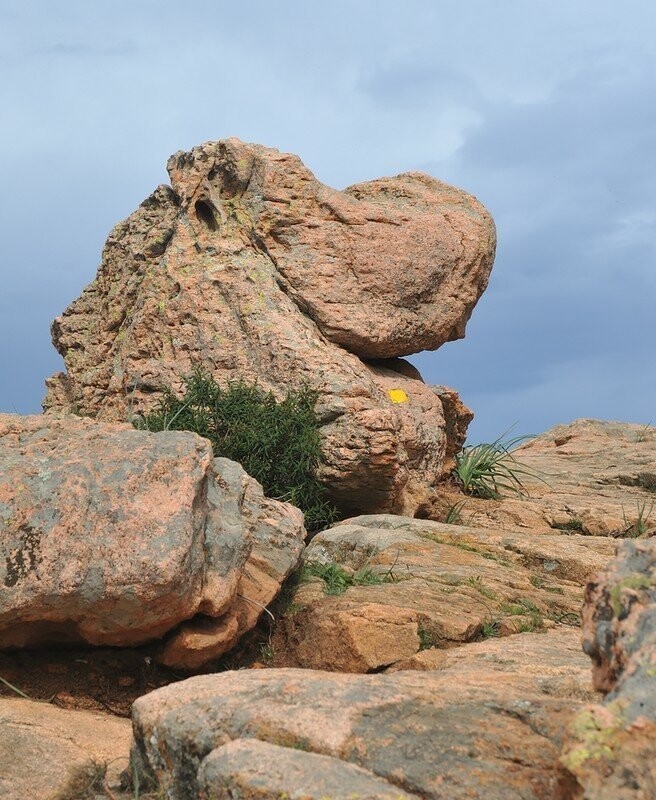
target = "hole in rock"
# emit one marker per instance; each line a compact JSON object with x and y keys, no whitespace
{"x":206,"y":214}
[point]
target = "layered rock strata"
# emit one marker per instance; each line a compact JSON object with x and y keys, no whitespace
{"x":251,"y":268}
{"x":418,"y":588}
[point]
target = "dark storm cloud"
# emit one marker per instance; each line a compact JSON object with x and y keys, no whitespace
{"x":545,"y":111}
{"x":570,"y":186}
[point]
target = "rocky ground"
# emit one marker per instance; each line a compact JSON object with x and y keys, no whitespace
{"x":473,"y":681}
{"x":167,"y":631}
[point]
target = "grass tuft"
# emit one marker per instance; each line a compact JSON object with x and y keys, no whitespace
{"x":337,"y":580}
{"x":487,"y":470}
{"x":639,"y":526}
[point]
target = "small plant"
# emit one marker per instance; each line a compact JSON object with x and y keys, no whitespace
{"x":645,"y":433}
{"x":485,"y":470}
{"x":519,"y":607}
{"x":572,"y":524}
{"x":277,"y":442}
{"x":267,"y":653}
{"x":476,"y":582}
{"x":530,"y":624}
{"x":426,"y":637}
{"x":338,"y":580}
{"x":638,"y":528}
{"x":532,"y":619}
{"x":454,"y":515}
{"x":490,"y":629}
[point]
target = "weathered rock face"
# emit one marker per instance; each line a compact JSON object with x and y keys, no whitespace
{"x":487,"y":725}
{"x":48,"y":753}
{"x":596,"y":478}
{"x":439,"y":586}
{"x":114,"y":536}
{"x":253,"y":269}
{"x":612,"y":746}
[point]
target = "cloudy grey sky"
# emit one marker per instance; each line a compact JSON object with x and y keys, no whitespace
{"x":546,"y":111}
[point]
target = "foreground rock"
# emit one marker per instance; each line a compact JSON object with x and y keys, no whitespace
{"x":612,"y":745}
{"x":47,"y":753}
{"x":417,"y":585}
{"x":113,"y":536}
{"x":597,"y":477}
{"x":253,"y":269}
{"x":487,"y":725}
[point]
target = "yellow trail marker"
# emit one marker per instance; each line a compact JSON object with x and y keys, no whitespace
{"x":397,"y":395}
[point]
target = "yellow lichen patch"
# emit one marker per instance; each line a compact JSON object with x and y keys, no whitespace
{"x":397,"y":395}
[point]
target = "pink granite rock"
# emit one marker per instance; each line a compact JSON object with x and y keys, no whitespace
{"x":251,"y":268}
{"x":488,"y":724}
{"x":114,"y":536}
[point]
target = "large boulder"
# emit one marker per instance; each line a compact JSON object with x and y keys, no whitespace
{"x":251,"y":268}
{"x":419,"y":587}
{"x":488,"y":724}
{"x":611,"y":749}
{"x":114,"y":536}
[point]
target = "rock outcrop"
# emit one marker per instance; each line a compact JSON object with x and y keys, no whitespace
{"x":420,"y":587}
{"x":252,"y":269}
{"x":612,"y":745}
{"x":487,"y":725}
{"x":594,"y":477}
{"x":114,"y":536}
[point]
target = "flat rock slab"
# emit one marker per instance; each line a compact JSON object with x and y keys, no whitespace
{"x":426,"y":584}
{"x":488,"y":725}
{"x":48,"y":753}
{"x":599,"y":478}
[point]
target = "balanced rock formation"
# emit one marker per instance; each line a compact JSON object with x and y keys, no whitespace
{"x":612,"y":745}
{"x":114,"y":536}
{"x":489,"y":724}
{"x":418,"y":588}
{"x":251,"y":268}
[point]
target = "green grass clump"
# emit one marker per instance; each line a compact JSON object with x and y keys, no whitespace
{"x":487,"y":470}
{"x":427,"y":638}
{"x":277,"y":442}
{"x":490,"y":629}
{"x":338,"y":580}
{"x":638,"y":528}
{"x":572,"y":524}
